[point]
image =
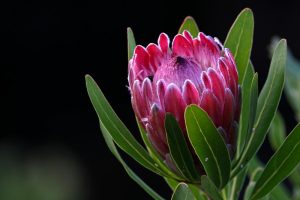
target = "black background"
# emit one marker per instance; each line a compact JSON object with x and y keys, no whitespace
{"x":48,"y":46}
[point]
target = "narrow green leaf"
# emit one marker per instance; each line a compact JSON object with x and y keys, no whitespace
{"x":294,"y":178}
{"x":292,"y":83}
{"x":253,"y":104}
{"x":253,"y":179}
{"x":183,"y":192}
{"x":239,"y":40}
{"x":210,"y":189}
{"x":282,"y":163}
{"x":115,"y":127}
{"x":155,"y":155}
{"x":237,"y":185}
{"x":208,"y":144}
{"x":179,"y":150}
{"x":245,"y":110}
{"x":267,"y":105}
{"x":279,"y":191}
{"x":292,"y":92}
{"x":277,"y":131}
{"x":254,"y":163}
{"x":248,"y":109}
{"x":130,"y":43}
{"x":132,"y":175}
{"x":190,"y":25}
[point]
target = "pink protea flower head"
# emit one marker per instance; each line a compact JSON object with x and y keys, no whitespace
{"x":164,"y":79}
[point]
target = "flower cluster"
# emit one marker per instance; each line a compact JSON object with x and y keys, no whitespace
{"x":164,"y":79}
{"x":197,"y":105}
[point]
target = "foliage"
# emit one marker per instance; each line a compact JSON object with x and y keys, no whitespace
{"x":225,"y":176}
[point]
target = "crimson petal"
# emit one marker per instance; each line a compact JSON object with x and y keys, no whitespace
{"x":174,"y":103}
{"x":211,"y":105}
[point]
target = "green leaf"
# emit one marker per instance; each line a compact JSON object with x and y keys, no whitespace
{"x":245,"y":110}
{"x":198,"y":194}
{"x":277,"y":131}
{"x":190,"y":25}
{"x":248,"y":109}
{"x":179,"y":150}
{"x":267,"y":105}
{"x":279,"y":192}
{"x":155,"y":155}
{"x":253,"y":105}
{"x":183,"y":192}
{"x":294,"y":178}
{"x":253,"y":179}
{"x":292,"y":83}
{"x":115,"y":127}
{"x":282,"y":163}
{"x":210,"y":189}
{"x":292,"y":92}
{"x":208,"y":145}
{"x":237,"y":185}
{"x":130,"y":43}
{"x":136,"y":178}
{"x":254,"y":163}
{"x":239,"y":40}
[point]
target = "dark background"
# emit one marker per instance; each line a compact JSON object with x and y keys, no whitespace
{"x":48,"y":46}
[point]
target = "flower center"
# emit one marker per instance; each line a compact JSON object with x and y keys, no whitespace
{"x":180,"y":61}
{"x":178,"y":69}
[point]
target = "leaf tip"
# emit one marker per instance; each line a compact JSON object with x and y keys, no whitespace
{"x":189,"y":107}
{"x":129,"y":30}
{"x":89,"y":81}
{"x":284,"y":41}
{"x":131,"y":44}
{"x":189,"y":24}
{"x":87,"y":76}
{"x":247,"y":11}
{"x":168,"y":117}
{"x":188,"y":18}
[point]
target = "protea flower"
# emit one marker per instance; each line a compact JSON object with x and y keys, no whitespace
{"x":164,"y":79}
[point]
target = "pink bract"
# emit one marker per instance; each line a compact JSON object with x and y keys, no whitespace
{"x":193,"y":71}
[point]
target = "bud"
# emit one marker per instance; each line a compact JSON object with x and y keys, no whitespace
{"x":193,"y":71}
